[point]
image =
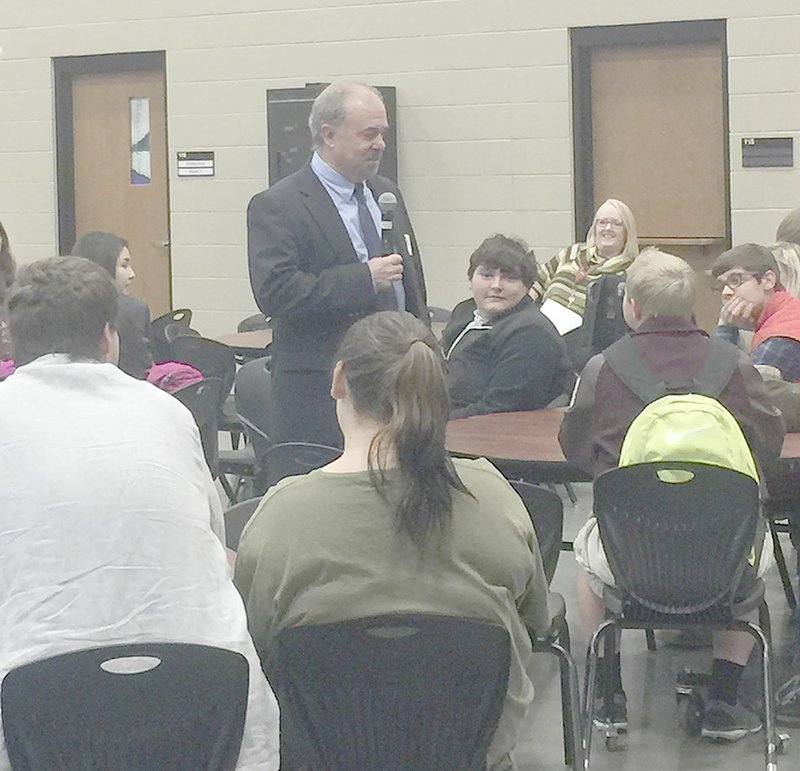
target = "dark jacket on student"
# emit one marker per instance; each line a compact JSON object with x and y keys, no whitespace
{"x":515,"y":361}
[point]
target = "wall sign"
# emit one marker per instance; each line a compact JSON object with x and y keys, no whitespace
{"x":196,"y":163}
{"x":765,"y":152}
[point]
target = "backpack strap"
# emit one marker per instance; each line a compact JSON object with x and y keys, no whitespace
{"x":625,"y":362}
{"x":720,"y":364}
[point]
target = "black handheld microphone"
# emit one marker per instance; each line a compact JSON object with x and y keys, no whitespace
{"x":387,"y":203}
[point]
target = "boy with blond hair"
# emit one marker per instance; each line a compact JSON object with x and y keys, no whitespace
{"x":657,"y":305}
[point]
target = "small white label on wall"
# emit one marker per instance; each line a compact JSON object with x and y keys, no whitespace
{"x":196,"y":163}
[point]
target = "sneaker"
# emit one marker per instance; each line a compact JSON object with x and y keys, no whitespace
{"x":723,"y":722}
{"x":787,"y":701}
{"x":616,"y":716}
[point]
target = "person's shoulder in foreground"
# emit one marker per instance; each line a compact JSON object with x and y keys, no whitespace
{"x":658,"y":306}
{"x":503,"y":353}
{"x":117,"y":523}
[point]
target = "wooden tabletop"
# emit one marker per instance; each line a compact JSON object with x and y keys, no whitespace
{"x":791,"y":446}
{"x":511,"y":435}
{"x":522,"y":444}
{"x":532,"y":438}
{"x":257,"y":340}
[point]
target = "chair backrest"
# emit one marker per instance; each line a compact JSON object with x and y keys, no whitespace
{"x":161,"y":349}
{"x":253,"y":393}
{"x":677,"y":535}
{"x":202,"y":399}
{"x":253,"y":323}
{"x":291,"y":458}
{"x":546,"y":510}
{"x":212,"y":358}
{"x":236,"y":517}
{"x":602,"y":324}
{"x":392,"y":692}
{"x":439,"y":314}
{"x":99,"y":709}
{"x":173,"y":331}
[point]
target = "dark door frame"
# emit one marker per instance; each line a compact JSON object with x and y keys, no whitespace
{"x":583,"y":40}
{"x":65,"y":70}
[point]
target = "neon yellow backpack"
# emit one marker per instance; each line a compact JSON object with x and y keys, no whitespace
{"x":682,"y":421}
{"x":685,"y":422}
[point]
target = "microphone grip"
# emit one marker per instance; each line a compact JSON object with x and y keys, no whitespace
{"x":387,"y":237}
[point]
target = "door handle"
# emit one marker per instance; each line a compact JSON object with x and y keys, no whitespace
{"x":163,"y":244}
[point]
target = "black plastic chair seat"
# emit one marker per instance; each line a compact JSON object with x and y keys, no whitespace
{"x":391,"y":693}
{"x":546,"y":511}
{"x":677,"y":536}
{"x":292,"y":458}
{"x":74,"y":712}
{"x":236,"y":517}
{"x":201,"y":399}
{"x":719,"y":616}
{"x":158,"y":326}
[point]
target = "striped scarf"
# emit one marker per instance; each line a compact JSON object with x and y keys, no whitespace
{"x":566,"y":277}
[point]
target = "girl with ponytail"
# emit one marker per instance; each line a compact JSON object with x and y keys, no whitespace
{"x":394,"y":524}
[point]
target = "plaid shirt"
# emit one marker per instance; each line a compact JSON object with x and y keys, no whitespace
{"x":780,"y":352}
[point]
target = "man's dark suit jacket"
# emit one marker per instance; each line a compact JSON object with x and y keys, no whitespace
{"x":133,"y":326}
{"x":306,"y":275}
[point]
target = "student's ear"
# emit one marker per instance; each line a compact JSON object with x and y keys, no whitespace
{"x":636,"y":307}
{"x":338,"y":382}
{"x":109,"y":345}
{"x":769,"y":280}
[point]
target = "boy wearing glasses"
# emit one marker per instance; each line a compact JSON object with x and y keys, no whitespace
{"x":753,"y":298}
{"x":503,"y":354}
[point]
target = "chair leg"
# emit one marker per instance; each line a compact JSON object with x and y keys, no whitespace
{"x":770,"y":731}
{"x":589,"y":688}
{"x":783,"y":571}
{"x":570,"y":708}
{"x":573,"y":499}
{"x":226,"y":486}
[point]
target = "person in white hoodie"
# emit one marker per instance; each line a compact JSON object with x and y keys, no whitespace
{"x":111,"y":529}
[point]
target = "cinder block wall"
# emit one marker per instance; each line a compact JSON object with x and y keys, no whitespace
{"x":484,"y":115}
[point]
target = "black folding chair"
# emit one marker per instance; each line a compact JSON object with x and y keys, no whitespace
{"x":252,"y":323}
{"x":139,"y":706}
{"x":213,"y":359}
{"x":202,"y":399}
{"x":677,"y":536}
{"x":158,"y":326}
{"x":253,"y":398}
{"x":173,"y":331}
{"x":546,"y":511}
{"x":782,"y":509}
{"x":441,"y":315}
{"x":391,"y":692}
{"x":236,"y":517}
{"x":291,"y":458}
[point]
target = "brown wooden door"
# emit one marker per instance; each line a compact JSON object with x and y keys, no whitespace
{"x":659,"y":144}
{"x":109,"y":194}
{"x":658,"y":136}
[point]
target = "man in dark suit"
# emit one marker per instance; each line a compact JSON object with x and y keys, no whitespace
{"x":316,"y":261}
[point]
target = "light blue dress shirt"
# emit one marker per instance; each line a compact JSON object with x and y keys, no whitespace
{"x":341,"y":189}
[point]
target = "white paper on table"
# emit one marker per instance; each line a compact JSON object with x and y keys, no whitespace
{"x":563,"y":318}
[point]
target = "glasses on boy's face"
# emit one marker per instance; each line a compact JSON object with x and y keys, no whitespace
{"x":733,"y":280}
